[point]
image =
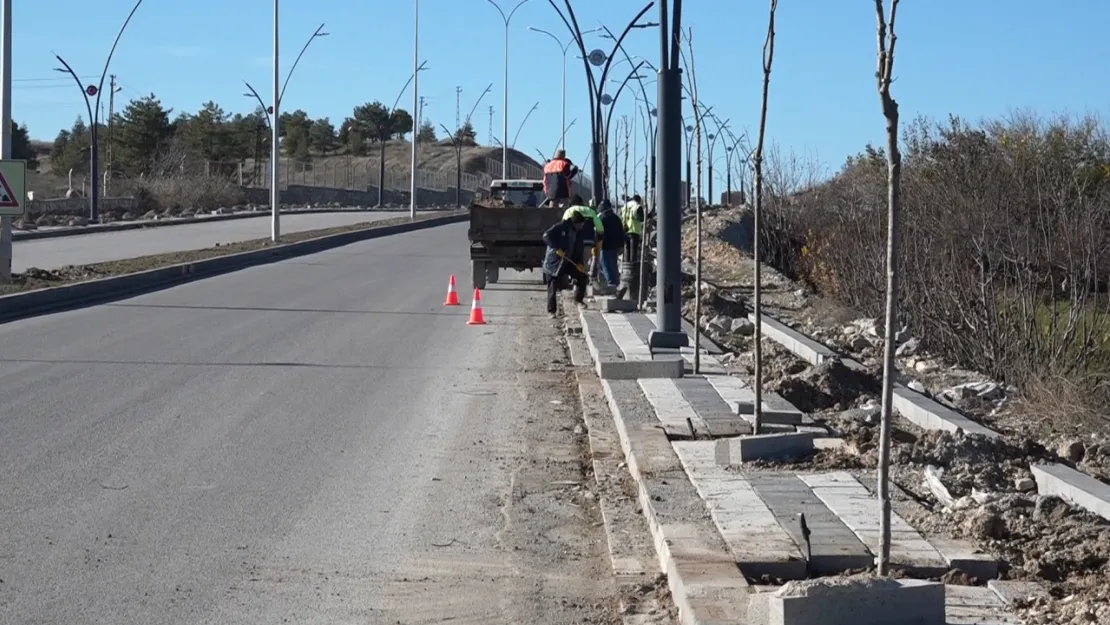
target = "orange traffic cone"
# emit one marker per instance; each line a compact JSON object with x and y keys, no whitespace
{"x":476,"y":316}
{"x":452,"y":296}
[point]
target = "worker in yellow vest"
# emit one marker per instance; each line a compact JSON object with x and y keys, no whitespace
{"x":632,"y":216}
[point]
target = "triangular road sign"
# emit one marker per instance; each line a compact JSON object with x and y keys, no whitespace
{"x":7,"y":196}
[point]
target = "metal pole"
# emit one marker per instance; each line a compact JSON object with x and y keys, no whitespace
{"x":415,"y":101}
{"x":275,"y":147}
{"x":6,"y":137}
{"x":505,"y":112}
{"x":668,"y":289}
{"x":563,"y":120}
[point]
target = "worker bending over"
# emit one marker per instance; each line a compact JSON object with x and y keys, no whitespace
{"x":560,"y":268}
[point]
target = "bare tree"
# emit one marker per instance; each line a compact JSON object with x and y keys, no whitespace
{"x":757,"y":209}
{"x":884,"y":76}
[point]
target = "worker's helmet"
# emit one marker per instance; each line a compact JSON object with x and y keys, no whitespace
{"x":560,"y":153}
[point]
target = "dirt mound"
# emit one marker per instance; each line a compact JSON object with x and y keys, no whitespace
{"x":832,"y":384}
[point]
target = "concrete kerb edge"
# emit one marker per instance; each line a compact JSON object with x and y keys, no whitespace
{"x":53,"y":299}
{"x":32,"y":235}
{"x":929,"y":414}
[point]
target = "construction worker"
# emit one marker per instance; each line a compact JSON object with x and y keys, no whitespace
{"x":559,"y":266}
{"x":557,"y":176}
{"x":613,"y":239}
{"x":632,"y":216}
{"x":591,"y":233}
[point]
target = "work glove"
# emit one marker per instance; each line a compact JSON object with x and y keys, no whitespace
{"x":581,"y":268}
{"x":560,"y":253}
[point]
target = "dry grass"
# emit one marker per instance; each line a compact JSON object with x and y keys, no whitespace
{"x":436,"y":163}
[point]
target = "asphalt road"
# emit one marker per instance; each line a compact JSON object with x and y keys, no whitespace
{"x":83,"y":249}
{"x":312,"y":441}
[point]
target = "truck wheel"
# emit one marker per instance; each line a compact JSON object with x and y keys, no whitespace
{"x":478,"y":274}
{"x":493,"y":272}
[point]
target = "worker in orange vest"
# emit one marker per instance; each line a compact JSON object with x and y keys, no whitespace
{"x":557,"y":176}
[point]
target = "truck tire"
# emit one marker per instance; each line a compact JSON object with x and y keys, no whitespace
{"x":478,"y":274}
{"x":493,"y":272}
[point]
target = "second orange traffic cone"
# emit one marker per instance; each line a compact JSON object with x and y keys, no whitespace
{"x":452,"y":296}
{"x":476,"y":316}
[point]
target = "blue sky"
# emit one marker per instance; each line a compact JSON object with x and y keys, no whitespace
{"x":976,"y":58}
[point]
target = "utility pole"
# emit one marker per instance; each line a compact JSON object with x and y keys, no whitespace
{"x":420,"y":111}
{"x":491,"y":124}
{"x":112,"y":89}
{"x":458,"y":107}
{"x":6,"y":131}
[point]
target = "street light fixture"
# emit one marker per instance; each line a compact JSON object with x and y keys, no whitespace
{"x":505,"y":105}
{"x":252,"y":93}
{"x":381,"y":132}
{"x":564,"y":48}
{"x":524,"y":121}
{"x":456,"y":142}
{"x":600,"y":59}
{"x":90,"y":91}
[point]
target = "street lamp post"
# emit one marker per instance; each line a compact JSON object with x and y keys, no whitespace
{"x":505,"y":104}
{"x":89,"y":91}
{"x":668,"y":289}
{"x":415,"y":103}
{"x":564,"y":48}
{"x":728,"y":169}
{"x":600,"y":59}
{"x":524,"y":121}
{"x":382,"y":135}
{"x":275,"y":124}
{"x":721,"y":128}
{"x":6,"y":133}
{"x":456,"y":142}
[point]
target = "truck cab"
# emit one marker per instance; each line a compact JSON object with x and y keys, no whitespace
{"x":517,"y":192}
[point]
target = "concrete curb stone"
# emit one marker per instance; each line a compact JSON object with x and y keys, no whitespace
{"x":80,"y":294}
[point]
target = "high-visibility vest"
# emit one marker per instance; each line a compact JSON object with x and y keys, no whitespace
{"x":632,"y":223}
{"x":587,"y":212}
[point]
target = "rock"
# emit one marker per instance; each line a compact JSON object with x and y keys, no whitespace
{"x":914,"y":385}
{"x":909,"y":348}
{"x":1072,"y":450}
{"x":857,"y":343}
{"x":924,"y":366}
{"x":1025,"y":484}
{"x":743,"y":327}
{"x":988,"y":391}
{"x":720,"y":323}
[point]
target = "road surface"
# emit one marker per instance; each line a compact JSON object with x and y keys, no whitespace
{"x":83,"y":249}
{"x":313,"y":441}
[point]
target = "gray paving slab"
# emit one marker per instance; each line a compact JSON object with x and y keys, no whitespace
{"x":714,"y":411}
{"x":835,"y":548}
{"x":99,"y":247}
{"x":858,"y":509}
{"x":761,"y":546}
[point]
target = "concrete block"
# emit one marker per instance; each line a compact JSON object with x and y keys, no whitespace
{"x":962,"y":555}
{"x":1078,"y":489}
{"x":626,"y":337}
{"x":930,"y":415}
{"x":614,"y":305}
{"x":851,"y":601}
{"x":976,"y":605}
{"x":728,"y":451}
{"x":801,"y":345}
{"x":770,"y":415}
{"x":1012,"y":593}
{"x":632,"y":370}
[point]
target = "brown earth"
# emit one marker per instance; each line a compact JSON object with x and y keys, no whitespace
{"x":995,"y":501}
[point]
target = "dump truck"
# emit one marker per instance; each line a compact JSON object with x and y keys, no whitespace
{"x":506,"y":229}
